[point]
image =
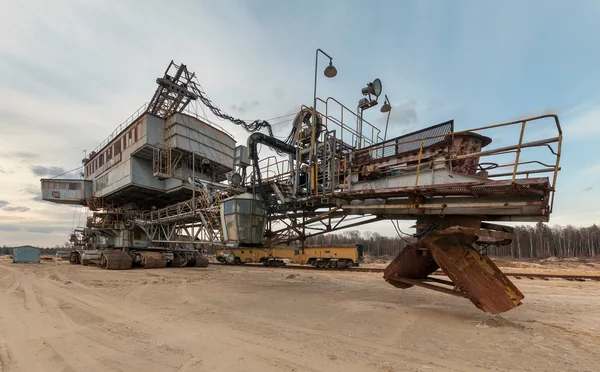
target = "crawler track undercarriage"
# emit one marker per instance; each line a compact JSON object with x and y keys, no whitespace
{"x":110,"y":259}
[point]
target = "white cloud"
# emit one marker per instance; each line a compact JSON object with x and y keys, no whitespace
{"x":582,"y":122}
{"x":89,"y":81}
{"x":71,"y":72}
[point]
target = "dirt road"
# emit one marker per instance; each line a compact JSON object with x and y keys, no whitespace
{"x":59,"y":317}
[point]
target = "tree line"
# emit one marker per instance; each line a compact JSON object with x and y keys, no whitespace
{"x":5,"y":250}
{"x":539,"y":241}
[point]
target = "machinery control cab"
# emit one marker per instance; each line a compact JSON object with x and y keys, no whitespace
{"x":243,"y":218}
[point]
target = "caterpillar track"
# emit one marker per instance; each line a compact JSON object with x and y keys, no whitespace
{"x":122,"y":260}
{"x":115,"y":260}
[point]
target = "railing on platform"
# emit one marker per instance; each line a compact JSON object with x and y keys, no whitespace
{"x":347,"y":134}
{"x":273,"y":169}
{"x":133,"y":117}
{"x":412,"y":145}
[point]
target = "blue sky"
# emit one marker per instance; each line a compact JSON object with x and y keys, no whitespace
{"x":71,"y":71}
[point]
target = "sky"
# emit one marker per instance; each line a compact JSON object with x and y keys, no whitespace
{"x":72,"y":71}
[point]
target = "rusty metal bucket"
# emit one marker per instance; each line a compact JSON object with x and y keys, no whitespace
{"x":472,"y":275}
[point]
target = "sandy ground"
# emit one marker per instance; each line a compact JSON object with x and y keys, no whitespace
{"x":59,"y":317}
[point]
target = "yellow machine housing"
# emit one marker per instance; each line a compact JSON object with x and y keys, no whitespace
{"x":334,"y":257}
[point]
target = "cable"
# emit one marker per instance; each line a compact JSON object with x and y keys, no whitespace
{"x":252,"y":127}
{"x":72,"y":170}
{"x":423,"y":233}
{"x":416,"y":234}
{"x":280,"y":117}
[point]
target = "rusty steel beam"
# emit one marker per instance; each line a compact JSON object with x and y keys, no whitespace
{"x":478,"y":232}
{"x":420,"y":283}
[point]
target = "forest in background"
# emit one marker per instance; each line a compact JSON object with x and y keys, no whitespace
{"x":5,"y":250}
{"x":539,"y":241}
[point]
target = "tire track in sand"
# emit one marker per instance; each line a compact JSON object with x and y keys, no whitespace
{"x":110,"y":355}
{"x":62,"y":340}
{"x":5,"y":358}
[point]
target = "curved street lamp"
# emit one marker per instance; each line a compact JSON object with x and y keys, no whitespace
{"x":387,"y":107}
{"x":330,"y":71}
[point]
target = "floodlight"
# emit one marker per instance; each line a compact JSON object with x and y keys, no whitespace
{"x":373,"y":88}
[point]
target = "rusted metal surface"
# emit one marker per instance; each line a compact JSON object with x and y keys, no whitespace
{"x":397,"y":282}
{"x":411,"y":263}
{"x":432,"y":137}
{"x":179,"y":262}
{"x":151,"y":260}
{"x":201,"y":261}
{"x":529,"y":186}
{"x":466,"y":144}
{"x":481,"y":233}
{"x":115,"y":260}
{"x":476,"y":275}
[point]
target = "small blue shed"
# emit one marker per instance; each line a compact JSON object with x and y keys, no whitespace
{"x":26,"y":254}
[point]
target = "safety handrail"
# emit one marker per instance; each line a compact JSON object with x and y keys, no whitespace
{"x":141,"y":111}
{"x":375,"y":132}
{"x":500,"y":151}
{"x":133,"y":117}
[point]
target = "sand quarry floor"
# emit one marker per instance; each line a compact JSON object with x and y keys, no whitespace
{"x":60,"y":317}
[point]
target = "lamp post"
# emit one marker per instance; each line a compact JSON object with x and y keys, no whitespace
{"x":330,"y":71}
{"x":386,"y":108}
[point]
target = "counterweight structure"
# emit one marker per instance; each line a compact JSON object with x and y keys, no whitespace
{"x":167,"y":182}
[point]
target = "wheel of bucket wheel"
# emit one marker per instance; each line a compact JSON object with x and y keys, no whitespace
{"x":115,"y":260}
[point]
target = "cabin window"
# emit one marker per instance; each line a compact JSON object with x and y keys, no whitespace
{"x":137,"y":234}
{"x":135,"y":133}
{"x":117,"y":148}
{"x":228,"y":208}
{"x":101,"y":160}
{"x":244,"y":206}
{"x":108,"y":154}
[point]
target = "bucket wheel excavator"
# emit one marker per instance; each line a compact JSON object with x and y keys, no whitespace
{"x":333,"y":171}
